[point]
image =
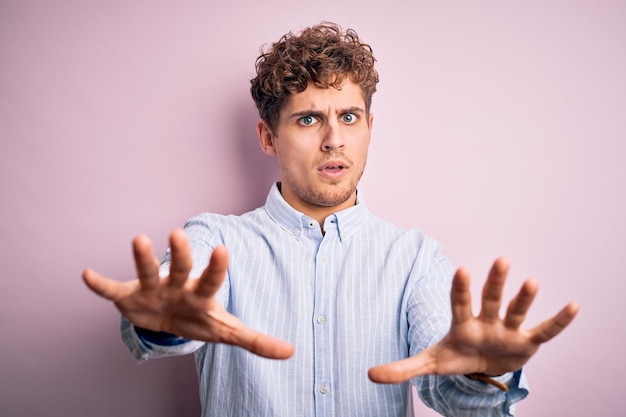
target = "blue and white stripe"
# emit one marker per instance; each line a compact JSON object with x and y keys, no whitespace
{"x":362,"y":294}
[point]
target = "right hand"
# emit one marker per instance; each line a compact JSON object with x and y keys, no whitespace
{"x":179,"y":305}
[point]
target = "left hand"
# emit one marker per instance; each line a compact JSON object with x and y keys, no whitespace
{"x":485,"y":343}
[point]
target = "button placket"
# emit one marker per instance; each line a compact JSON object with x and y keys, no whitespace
{"x":324,"y":278}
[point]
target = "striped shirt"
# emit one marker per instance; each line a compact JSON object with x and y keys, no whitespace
{"x":362,"y":294}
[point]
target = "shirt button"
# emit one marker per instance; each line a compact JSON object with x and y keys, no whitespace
{"x":324,"y":389}
{"x":323,"y":259}
{"x":321,"y":320}
{"x":296,"y":232}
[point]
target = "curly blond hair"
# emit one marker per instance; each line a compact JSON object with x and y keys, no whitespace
{"x":323,"y":55}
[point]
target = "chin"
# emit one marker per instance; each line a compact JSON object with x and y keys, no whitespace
{"x":333,"y":197}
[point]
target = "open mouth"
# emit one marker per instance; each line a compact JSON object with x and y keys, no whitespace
{"x":333,"y":169}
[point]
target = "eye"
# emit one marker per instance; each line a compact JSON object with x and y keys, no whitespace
{"x":307,"y":120}
{"x":349,"y":118}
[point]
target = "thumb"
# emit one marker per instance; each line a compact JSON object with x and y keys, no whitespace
{"x":105,"y":287}
{"x":234,"y":332}
{"x":403,"y":370}
{"x":265,"y":345}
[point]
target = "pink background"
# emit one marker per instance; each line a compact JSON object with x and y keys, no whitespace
{"x":499,"y":130}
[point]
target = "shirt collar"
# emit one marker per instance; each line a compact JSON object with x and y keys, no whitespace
{"x":346,"y":221}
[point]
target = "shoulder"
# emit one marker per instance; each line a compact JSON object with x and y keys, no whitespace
{"x":213,"y":228}
{"x":215,"y":220}
{"x":412,"y":245}
{"x":384,"y":229}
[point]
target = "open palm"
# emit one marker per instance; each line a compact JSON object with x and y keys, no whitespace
{"x":179,"y":305}
{"x":486,"y":343}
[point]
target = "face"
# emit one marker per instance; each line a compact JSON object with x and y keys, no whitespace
{"x":321,"y":143}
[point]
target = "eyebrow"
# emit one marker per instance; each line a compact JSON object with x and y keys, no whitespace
{"x":317,"y":113}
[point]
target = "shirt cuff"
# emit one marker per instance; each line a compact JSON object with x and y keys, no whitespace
{"x":477,"y":387}
{"x":516,"y":381}
{"x":158,"y":338}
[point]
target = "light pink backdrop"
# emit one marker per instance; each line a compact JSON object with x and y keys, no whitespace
{"x":499,"y":129}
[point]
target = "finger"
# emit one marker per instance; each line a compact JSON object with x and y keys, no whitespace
{"x":492,"y":290}
{"x":519,"y":305}
{"x":403,"y":370}
{"x":552,"y":327}
{"x":105,"y":287}
{"x":460,"y":297}
{"x":181,"y":260}
{"x":263,"y":345}
{"x":213,"y":276}
{"x":234,"y":332}
{"x":146,"y":264}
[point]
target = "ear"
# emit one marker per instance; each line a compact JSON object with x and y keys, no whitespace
{"x":266,"y":138}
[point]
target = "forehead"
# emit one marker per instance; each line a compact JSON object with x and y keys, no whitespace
{"x":349,"y":95}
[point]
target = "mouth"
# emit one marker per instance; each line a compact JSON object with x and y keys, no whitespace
{"x":333,"y":169}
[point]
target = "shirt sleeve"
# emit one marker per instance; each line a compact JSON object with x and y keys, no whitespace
{"x":144,"y":344}
{"x":429,"y":315}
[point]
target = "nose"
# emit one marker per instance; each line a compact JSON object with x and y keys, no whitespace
{"x":333,"y":138}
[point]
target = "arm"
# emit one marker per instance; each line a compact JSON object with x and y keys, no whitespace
{"x":483,"y":344}
{"x":185,"y":308}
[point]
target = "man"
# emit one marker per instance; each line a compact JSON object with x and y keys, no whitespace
{"x":336,"y":293}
